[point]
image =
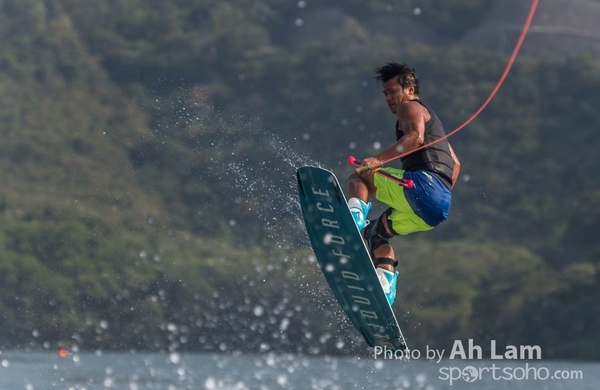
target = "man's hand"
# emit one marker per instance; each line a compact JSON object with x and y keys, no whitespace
{"x":372,"y":163}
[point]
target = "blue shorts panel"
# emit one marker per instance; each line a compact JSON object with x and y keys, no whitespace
{"x":429,"y":198}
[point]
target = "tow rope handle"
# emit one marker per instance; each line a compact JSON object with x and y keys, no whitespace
{"x":400,"y":180}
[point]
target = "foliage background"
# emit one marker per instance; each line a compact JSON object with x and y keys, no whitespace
{"x":148,"y":195}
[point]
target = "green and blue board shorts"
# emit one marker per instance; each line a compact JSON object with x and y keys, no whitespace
{"x":416,"y":209}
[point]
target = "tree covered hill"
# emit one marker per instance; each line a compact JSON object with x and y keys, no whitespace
{"x":148,"y":196}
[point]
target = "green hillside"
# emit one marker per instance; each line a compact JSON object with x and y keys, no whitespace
{"x":148,"y":194}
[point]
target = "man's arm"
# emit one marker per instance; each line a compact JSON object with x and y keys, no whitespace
{"x":456,"y":162}
{"x":412,"y":123}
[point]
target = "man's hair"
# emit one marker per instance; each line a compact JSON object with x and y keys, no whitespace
{"x":405,"y":75}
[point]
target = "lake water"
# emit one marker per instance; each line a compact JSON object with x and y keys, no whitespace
{"x":137,"y":371}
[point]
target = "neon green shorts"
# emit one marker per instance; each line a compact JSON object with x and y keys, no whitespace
{"x":403,"y":218}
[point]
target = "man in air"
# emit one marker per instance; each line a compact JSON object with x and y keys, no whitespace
{"x":433,"y":170}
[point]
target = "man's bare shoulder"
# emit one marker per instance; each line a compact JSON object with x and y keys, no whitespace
{"x":413,"y":109}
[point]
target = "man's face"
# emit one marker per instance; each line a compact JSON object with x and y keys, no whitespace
{"x":394,"y":94}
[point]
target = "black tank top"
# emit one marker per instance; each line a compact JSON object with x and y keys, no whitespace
{"x":435,"y":158}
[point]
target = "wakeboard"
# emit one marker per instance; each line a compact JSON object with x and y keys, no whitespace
{"x":344,"y":259}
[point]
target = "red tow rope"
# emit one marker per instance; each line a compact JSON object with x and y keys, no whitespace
{"x":509,"y":65}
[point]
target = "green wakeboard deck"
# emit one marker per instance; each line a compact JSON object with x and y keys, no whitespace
{"x":345,"y":260}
